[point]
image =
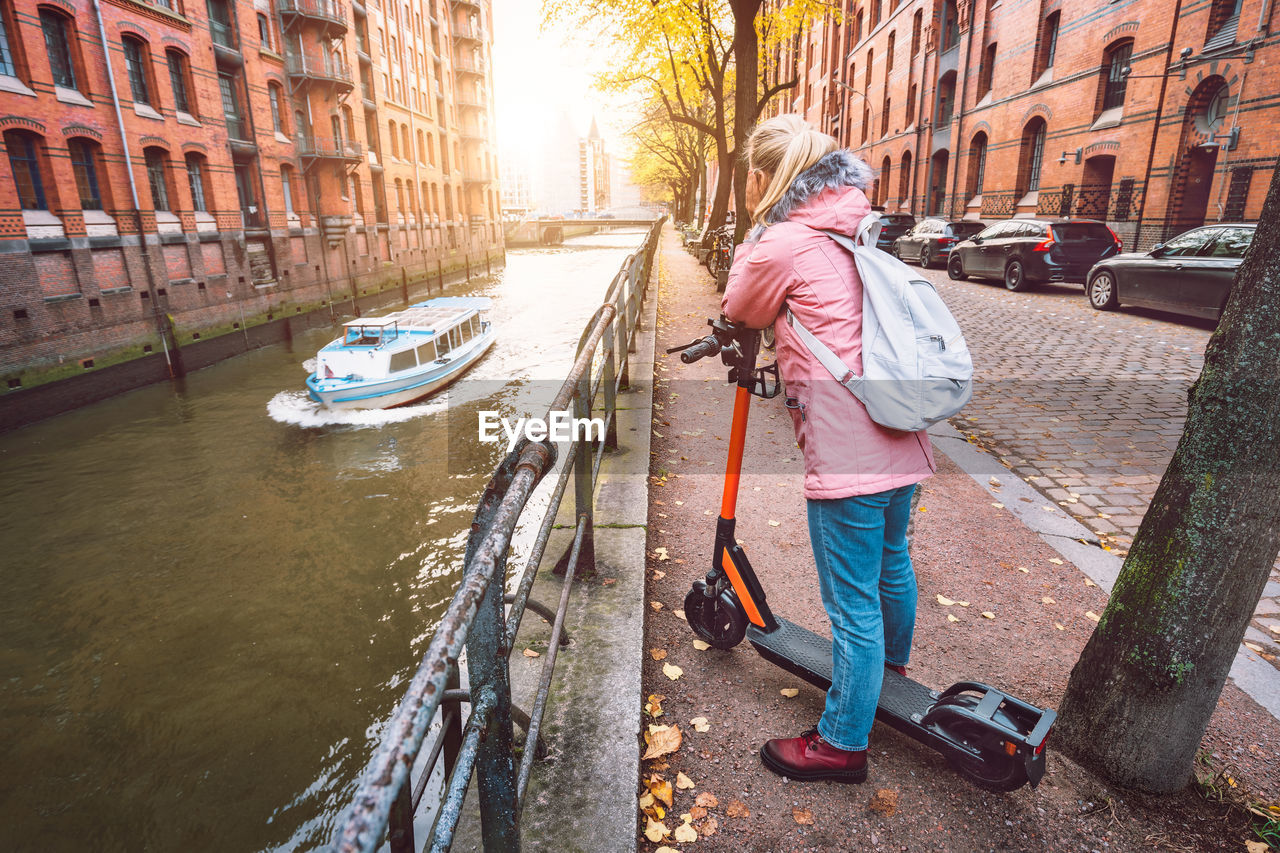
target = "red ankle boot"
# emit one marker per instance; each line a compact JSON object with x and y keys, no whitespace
{"x":808,"y":758}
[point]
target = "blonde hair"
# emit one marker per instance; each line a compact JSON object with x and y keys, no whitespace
{"x":784,"y":146}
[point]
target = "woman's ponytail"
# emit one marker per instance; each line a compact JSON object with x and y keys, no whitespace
{"x":784,"y":147}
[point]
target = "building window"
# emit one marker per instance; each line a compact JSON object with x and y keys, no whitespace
{"x":157,"y":166}
{"x":8,"y":62}
{"x":220,"y":22}
{"x":915,"y":32}
{"x":1116,"y":75}
{"x":871,"y":57}
{"x":178,"y":80}
{"x":875,"y":13}
{"x":986,"y":70}
{"x":977,"y":164}
{"x":888,"y":56}
{"x":277,"y":113}
{"x":231,"y":107}
{"x":1224,"y":22}
{"x":946,"y":99}
{"x":135,"y":60}
{"x":286,"y":185}
{"x":911,"y":104}
{"x":904,"y":180}
{"x":195,"y":179}
{"x":24,"y":160}
{"x":1048,"y":46}
{"x":57,"y":42}
{"x":264,"y":31}
{"x":1032,"y":156}
{"x":84,"y":167}
{"x":395,"y":139}
{"x":884,"y":117}
{"x":950,"y":25}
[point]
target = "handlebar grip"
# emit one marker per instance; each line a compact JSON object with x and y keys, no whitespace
{"x":703,"y":348}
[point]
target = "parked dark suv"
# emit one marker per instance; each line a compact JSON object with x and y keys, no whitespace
{"x":893,"y":226}
{"x":1022,"y":251}
{"x":932,"y":240}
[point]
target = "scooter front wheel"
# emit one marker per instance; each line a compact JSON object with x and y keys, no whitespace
{"x":995,"y":771}
{"x":719,"y":620}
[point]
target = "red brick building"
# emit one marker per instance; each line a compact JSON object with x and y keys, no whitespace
{"x":229,"y":162}
{"x":1154,"y":115}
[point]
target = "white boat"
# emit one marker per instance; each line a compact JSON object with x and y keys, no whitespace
{"x":388,"y":361}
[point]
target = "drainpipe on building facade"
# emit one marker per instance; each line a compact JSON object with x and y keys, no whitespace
{"x":133,"y":191}
{"x":1155,"y":133}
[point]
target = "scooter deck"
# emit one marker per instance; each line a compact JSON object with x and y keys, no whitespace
{"x":807,"y":655}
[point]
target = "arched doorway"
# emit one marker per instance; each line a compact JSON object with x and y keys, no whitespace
{"x":904,"y":182}
{"x":1205,"y":119}
{"x":1095,"y":186}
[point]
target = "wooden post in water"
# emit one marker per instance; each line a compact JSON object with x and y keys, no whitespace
{"x":404,"y":284}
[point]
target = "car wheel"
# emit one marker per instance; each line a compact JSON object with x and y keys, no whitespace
{"x":1102,"y":291}
{"x":896,"y":250}
{"x":955,"y":268}
{"x":1015,"y":277}
{"x":924,"y":256}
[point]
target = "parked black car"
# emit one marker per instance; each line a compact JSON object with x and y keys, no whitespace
{"x":1022,"y":251}
{"x":893,"y":226}
{"x":933,"y":239}
{"x":1190,"y":274}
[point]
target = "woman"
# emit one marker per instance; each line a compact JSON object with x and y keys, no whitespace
{"x":859,"y":476}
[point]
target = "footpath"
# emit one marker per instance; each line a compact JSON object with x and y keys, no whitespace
{"x":1041,"y":589}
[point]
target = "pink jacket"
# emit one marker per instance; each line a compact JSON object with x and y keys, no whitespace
{"x":794,"y":266}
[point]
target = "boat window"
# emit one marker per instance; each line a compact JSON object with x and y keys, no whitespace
{"x":465,"y":332}
{"x":403,"y":360}
{"x":427,"y":353}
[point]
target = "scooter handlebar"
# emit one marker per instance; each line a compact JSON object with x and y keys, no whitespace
{"x":701,"y":349}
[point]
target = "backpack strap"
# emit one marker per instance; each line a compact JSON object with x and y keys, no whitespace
{"x":832,"y":362}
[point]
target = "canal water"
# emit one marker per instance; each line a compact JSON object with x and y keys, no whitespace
{"x":215,"y":593}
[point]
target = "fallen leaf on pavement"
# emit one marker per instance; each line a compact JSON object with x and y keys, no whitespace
{"x":660,"y":788}
{"x":773,"y":523}
{"x":697,"y":812}
{"x":672,"y":671}
{"x":802,"y":816}
{"x":1275,"y":629}
{"x":885,"y":802}
{"x":963,"y":603}
{"x":1024,"y":570}
{"x":665,"y":849}
{"x":656,"y":605}
{"x":659,"y":574}
{"x":951,"y":618}
{"x":944,"y":601}
{"x":1047,"y":600}
{"x":737,"y":808}
{"x":1091,"y":615}
{"x":789,"y":692}
{"x":1255,"y":846}
{"x":709,"y":827}
{"x":662,"y":740}
{"x":701,"y":645}
{"x":656,"y":830}
{"x":700,"y":724}
{"x":679,"y":503}
{"x":685,"y":833}
{"x":1055,"y":561}
{"x":1254,"y":647}
{"x":987,"y":614}
{"x":661,"y":554}
{"x":530,"y":653}
{"x":998,"y":505}
{"x":1088,"y":582}
{"x":708,"y":800}
{"x":680,"y":615}
{"x":1059,"y":626}
{"x":683,"y":782}
{"x":657,"y":654}
{"x":608,"y":581}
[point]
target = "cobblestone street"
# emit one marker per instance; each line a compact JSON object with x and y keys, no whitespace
{"x":1087,"y":406}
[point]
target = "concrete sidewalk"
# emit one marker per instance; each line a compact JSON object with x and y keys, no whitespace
{"x":1040,"y":586}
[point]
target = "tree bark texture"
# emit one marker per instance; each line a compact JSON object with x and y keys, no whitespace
{"x":746,"y":91}
{"x":1141,"y":695}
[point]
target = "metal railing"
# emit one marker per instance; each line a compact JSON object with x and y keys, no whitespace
{"x":331,"y":11}
{"x":319,"y":65}
{"x":388,"y":796}
{"x":329,"y":148}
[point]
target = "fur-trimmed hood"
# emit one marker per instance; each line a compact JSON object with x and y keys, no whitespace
{"x":808,"y":201}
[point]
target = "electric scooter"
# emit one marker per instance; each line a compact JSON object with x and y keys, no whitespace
{"x":993,"y":739}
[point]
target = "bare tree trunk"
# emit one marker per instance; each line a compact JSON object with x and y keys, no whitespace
{"x":746,"y":91}
{"x":724,"y":183}
{"x":1141,"y":695}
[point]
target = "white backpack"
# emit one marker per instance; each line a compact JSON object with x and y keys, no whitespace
{"x":916,"y":365}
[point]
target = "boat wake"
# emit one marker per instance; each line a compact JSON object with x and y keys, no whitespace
{"x":297,"y":409}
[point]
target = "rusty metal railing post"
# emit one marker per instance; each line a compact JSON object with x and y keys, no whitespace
{"x":495,"y":765}
{"x":400,"y":824}
{"x":622,"y":331}
{"x":583,"y":485}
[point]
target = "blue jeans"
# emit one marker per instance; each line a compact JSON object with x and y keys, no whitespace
{"x":869,"y":590}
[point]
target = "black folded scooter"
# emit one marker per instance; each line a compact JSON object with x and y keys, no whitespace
{"x":991,"y":738}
